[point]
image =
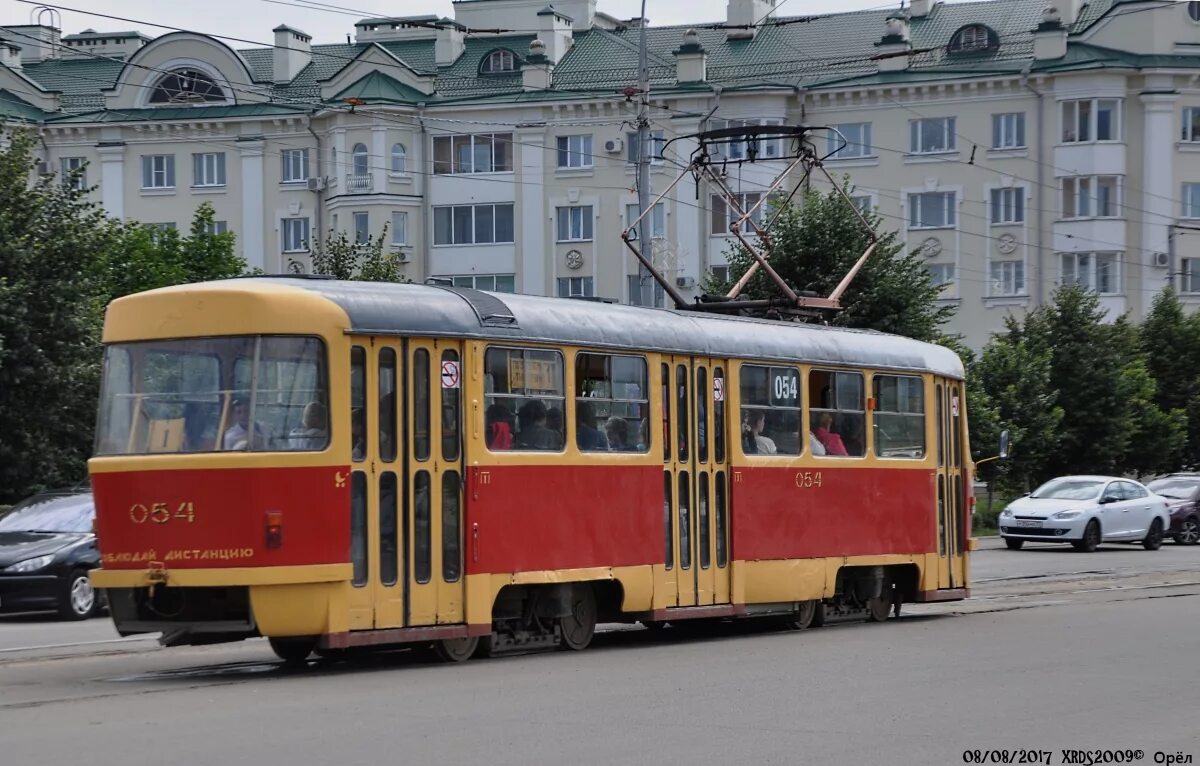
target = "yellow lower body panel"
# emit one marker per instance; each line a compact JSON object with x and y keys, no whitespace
{"x":306,"y":609}
{"x":141,"y":578}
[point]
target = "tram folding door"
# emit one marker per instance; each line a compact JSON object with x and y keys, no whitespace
{"x":696,"y":481}
{"x":951,"y":520}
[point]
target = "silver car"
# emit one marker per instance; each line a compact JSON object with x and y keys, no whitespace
{"x":1086,"y":511}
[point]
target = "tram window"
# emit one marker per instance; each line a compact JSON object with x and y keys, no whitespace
{"x":422,"y":567}
{"x":718,"y":415}
{"x":722,"y":534}
{"x":666,"y":410}
{"x":388,"y":535}
{"x":451,"y":528}
{"x":771,"y":398}
{"x":941,"y":427}
{"x":358,"y":404}
{"x":702,"y":522}
{"x":898,"y":417}
{"x":702,"y":415}
{"x":525,"y":399}
{"x":358,"y":527}
{"x":451,"y":410}
{"x":387,"y":405}
{"x":681,"y":406}
{"x":837,"y":413}
{"x":668,"y":521}
{"x":611,"y":403}
{"x":941,"y":504}
{"x":685,"y":522}
{"x":420,"y":377}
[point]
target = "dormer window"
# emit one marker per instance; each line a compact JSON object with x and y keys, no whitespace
{"x":974,"y":38}
{"x":186,"y":86}
{"x":501,"y":60}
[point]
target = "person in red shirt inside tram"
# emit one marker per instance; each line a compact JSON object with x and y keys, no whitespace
{"x":830,"y":440}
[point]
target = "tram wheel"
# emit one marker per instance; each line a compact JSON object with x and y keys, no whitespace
{"x":293,"y":651}
{"x":878,"y":609}
{"x":803,"y":617}
{"x":456,"y":649}
{"x":579,"y":627}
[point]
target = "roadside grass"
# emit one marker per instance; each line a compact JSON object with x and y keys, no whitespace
{"x":986,"y":514}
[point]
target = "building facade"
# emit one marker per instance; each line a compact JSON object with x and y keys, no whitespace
{"x":1017,"y":147}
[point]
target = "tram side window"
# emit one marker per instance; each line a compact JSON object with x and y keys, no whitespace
{"x":837,"y":413}
{"x":899,"y":416}
{"x":358,"y":404}
{"x":771,"y":399}
{"x":611,"y":403}
{"x":525,"y":399}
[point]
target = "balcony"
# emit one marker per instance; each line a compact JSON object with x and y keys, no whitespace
{"x":359,"y":182}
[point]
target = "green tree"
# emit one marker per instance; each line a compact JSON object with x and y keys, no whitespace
{"x":1157,"y":434}
{"x":49,"y":324}
{"x":1170,"y":344}
{"x":815,"y":245}
{"x":370,"y":261}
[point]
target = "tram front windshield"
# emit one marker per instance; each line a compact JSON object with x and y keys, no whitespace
{"x":252,"y":393}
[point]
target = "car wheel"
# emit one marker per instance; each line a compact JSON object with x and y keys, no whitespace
{"x":1013,"y":544}
{"x":1153,"y":539}
{"x":1189,"y":532}
{"x":78,"y":598}
{"x":1091,"y":538}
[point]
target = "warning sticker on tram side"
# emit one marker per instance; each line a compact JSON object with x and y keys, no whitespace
{"x":449,"y":374}
{"x":718,"y":389}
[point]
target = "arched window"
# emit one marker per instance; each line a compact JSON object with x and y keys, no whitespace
{"x":973,"y":38}
{"x":186,"y":86}
{"x":399,"y":158}
{"x":359,"y":158}
{"x":500,"y":60}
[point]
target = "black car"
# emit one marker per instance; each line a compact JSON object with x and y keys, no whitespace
{"x":47,"y":548}
{"x":1182,"y":491}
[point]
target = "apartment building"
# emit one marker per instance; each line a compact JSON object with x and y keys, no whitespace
{"x":1016,"y":146}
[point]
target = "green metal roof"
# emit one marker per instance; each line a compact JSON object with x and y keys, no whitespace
{"x":14,"y":107}
{"x":377,"y":87}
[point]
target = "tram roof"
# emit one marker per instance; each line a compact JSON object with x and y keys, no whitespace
{"x":432,"y":310}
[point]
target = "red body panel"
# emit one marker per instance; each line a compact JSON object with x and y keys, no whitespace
{"x":854,"y":512}
{"x":563,"y":517}
{"x":228,"y":510}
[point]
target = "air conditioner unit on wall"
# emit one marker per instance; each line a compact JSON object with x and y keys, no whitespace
{"x":685,"y":282}
{"x":614,"y":145}
{"x":316,"y":184}
{"x":1161,"y":260}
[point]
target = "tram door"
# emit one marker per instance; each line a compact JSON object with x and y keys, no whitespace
{"x":433,"y":515}
{"x":949,"y":491}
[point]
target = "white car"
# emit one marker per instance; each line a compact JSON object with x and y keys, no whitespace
{"x":1086,"y":511}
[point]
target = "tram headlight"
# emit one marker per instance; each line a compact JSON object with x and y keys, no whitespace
{"x":1067,"y":515}
{"x":30,"y":565}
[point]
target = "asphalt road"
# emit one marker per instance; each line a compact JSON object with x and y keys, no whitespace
{"x":1056,"y":650}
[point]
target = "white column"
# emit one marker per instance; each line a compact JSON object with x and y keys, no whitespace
{"x":532,"y":252}
{"x":1158,"y":191}
{"x":112,"y":179}
{"x":251,"y":235}
{"x":339,"y":170}
{"x":383,"y":159}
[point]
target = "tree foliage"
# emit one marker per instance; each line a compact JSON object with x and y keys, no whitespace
{"x":370,"y":261}
{"x":1170,"y":344}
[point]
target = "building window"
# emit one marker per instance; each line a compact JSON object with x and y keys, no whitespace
{"x":158,"y":171}
{"x":216,"y":227}
{"x":1191,"y":200}
{"x":1191,"y":124}
{"x":574,"y":151}
{"x":941,"y":274}
{"x":1091,"y":197}
{"x":1189,"y":277}
{"x":972,"y":39}
{"x":482,"y":153}
{"x":644,"y":291}
{"x":656,"y":147}
{"x":362,"y":228}
{"x":1008,"y":131}
{"x":159,"y":231}
{"x":1095,"y":271}
{"x":473,"y":224}
{"x":399,"y":227}
{"x":931,"y":210}
{"x":657,"y":220}
{"x":1091,"y":119}
{"x":295,"y":235}
{"x":742,"y":149}
{"x":857,"y":136}
{"x":499,"y":61}
{"x":1008,"y":277}
{"x":1008,"y":205}
{"x":572,"y":287}
{"x":74,"y":172}
{"x":208,"y":169}
{"x":399,"y":159}
{"x":295,"y":166}
{"x":931,"y":136}
{"x":186,"y":86}
{"x":863,"y":202}
{"x":719,"y":273}
{"x":497,"y":283}
{"x":575,"y":223}
{"x":723,"y":215}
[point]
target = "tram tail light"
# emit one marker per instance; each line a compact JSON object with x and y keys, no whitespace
{"x":274,"y":530}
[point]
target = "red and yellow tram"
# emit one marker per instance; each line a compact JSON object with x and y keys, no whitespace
{"x":336,"y":464}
